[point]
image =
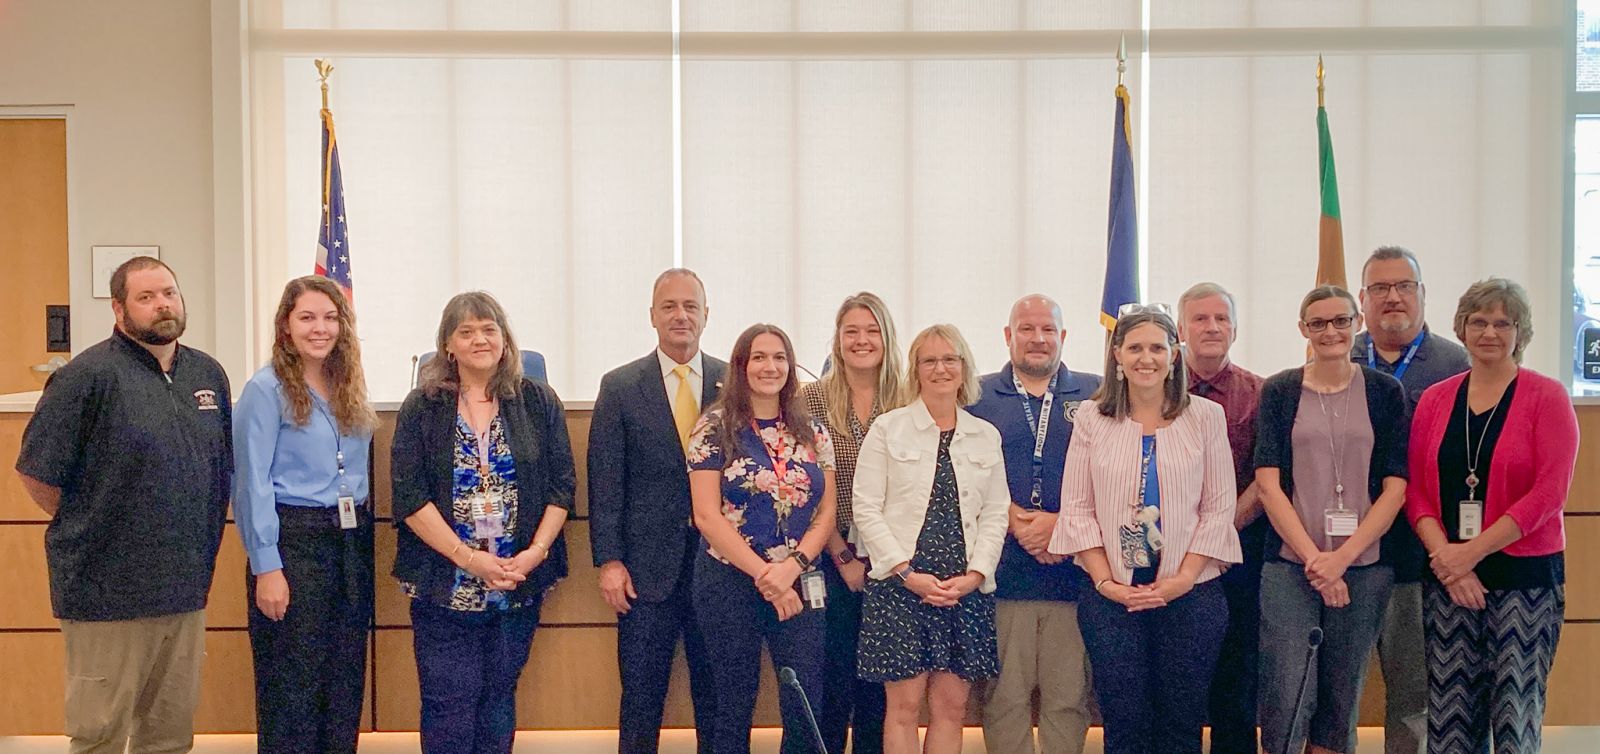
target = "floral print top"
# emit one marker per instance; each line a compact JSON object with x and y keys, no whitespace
{"x":772,"y":514}
{"x":470,"y":594}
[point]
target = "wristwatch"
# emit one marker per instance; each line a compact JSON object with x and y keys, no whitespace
{"x":844,"y":556}
{"x":800,"y":557}
{"x":902,"y":574}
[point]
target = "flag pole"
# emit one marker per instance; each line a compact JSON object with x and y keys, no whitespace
{"x":1122,"y":57}
{"x":1319,"y":85}
{"x":324,"y":70}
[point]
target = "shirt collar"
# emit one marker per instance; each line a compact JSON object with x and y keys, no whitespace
{"x":923,"y":420}
{"x":668,"y":364}
{"x":1007,"y":384}
{"x":1359,"y":349}
{"x":142,"y":353}
{"x":1220,"y":382}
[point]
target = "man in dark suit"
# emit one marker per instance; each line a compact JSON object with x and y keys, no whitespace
{"x":639,"y":512}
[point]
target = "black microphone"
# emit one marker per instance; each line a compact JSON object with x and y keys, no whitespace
{"x":787,"y":677}
{"x":1313,"y":640}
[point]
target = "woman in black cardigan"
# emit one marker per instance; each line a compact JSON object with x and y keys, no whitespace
{"x":483,"y":483}
{"x":1331,"y":466}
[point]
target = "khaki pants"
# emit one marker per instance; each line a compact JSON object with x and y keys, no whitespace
{"x":1040,"y":647}
{"x":133,"y":684}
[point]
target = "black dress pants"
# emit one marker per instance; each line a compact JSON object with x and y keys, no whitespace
{"x":647,"y":639}
{"x":311,"y":666}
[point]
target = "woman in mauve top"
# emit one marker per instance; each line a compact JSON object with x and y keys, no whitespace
{"x":1492,"y":456}
{"x":1330,"y":462}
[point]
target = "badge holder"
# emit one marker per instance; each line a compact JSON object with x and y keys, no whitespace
{"x":1469,"y":519}
{"x":813,"y":589}
{"x":347,"y":501}
{"x":1340,"y":522}
{"x":488,"y":517}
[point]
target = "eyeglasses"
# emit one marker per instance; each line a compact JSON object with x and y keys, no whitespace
{"x":1381,"y":290}
{"x":1130,"y":309}
{"x":929,"y":363}
{"x":1479,"y":324}
{"x":1339,"y":323}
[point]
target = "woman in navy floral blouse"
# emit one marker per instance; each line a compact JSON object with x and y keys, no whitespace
{"x":761,"y":478}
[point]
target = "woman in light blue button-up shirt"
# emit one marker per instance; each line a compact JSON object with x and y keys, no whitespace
{"x":302,"y":435}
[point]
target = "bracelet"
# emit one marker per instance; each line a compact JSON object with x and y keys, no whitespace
{"x":1100,"y":583}
{"x":470,"y":556}
{"x":532,"y":545}
{"x":452,"y":556}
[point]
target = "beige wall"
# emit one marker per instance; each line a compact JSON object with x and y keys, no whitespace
{"x":137,"y":78}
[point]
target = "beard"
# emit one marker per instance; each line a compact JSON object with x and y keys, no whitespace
{"x":163,"y":330}
{"x":1395,"y":322}
{"x":1036,"y":371}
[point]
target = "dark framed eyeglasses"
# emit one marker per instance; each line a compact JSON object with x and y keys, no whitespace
{"x":1339,"y":323}
{"x":1381,"y":290}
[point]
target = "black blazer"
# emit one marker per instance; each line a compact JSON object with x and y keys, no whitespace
{"x":423,"y":472}
{"x":639,"y":506}
{"x":1388,"y":413}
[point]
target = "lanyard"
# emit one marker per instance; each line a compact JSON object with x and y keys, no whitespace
{"x":338,"y":445}
{"x":1144,"y":473}
{"x":482,"y":438}
{"x":780,"y":464}
{"x":1040,"y":430}
{"x":1405,"y":361}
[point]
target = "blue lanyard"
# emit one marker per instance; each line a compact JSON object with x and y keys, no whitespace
{"x":1144,"y":472}
{"x":1405,"y":361}
{"x":1039,"y":429}
{"x":338,"y":444}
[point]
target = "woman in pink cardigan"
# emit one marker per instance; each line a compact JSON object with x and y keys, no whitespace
{"x":1492,"y":455}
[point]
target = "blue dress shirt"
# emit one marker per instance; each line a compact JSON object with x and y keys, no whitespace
{"x":279,"y":462}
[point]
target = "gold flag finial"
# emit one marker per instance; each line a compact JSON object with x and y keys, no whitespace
{"x":1122,"y":57}
{"x":1320,"y":73}
{"x":324,"y":70}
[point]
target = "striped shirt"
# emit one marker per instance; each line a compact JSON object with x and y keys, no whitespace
{"x":1194,"y":467}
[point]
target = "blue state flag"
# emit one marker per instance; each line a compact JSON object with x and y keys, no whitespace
{"x":333,"y":242}
{"x":1122,"y":232}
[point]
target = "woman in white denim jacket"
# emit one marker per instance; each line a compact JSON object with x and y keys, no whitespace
{"x":930,"y":510}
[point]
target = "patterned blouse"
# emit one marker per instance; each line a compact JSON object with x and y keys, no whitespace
{"x":772,"y":514}
{"x":470,"y":593}
{"x":846,"y":446}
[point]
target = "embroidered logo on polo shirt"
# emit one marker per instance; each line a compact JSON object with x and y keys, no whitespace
{"x":1070,"y":411}
{"x":206,"y":400}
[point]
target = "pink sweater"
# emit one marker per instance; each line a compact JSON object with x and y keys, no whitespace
{"x":1532,"y":466}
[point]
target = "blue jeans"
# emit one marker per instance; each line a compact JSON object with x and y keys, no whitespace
{"x":467,"y":666}
{"x":1152,"y":669}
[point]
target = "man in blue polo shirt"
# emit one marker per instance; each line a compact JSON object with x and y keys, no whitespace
{"x":1033,"y":401}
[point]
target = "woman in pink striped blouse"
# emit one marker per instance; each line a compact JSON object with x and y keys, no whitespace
{"x":1147,"y":509}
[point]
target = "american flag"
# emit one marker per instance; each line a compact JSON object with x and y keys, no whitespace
{"x":333,"y":241}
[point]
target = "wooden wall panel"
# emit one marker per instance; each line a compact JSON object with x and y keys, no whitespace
{"x":34,"y":685}
{"x":15,"y":505}
{"x":33,"y":243}
{"x":1583,"y":567}
{"x":226,"y":606}
{"x":570,"y":682}
{"x":578,"y":430}
{"x":1585,"y":495}
{"x":382,"y":447}
{"x":1574,"y":682}
{"x":27,"y":590}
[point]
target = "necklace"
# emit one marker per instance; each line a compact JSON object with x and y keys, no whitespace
{"x":1337,"y":449}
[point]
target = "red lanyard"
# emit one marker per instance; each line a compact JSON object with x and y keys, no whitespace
{"x":780,"y":464}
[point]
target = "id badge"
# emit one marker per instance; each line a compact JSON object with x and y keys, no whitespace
{"x":1338,"y":523}
{"x":1470,"y":522}
{"x":813,"y":589}
{"x":347,"y":512}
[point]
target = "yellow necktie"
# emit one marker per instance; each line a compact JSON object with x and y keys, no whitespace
{"x":684,"y":409}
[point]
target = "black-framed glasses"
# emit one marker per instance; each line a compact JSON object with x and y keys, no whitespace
{"x":1381,"y":290}
{"x":1339,"y":323}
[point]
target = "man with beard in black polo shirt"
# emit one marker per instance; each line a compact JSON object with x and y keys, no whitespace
{"x":128,"y":452}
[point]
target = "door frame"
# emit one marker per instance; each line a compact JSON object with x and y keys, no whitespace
{"x":78,"y":272}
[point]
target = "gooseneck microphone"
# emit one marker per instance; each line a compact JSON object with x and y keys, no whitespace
{"x":1313,"y":640}
{"x":787,"y":677}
